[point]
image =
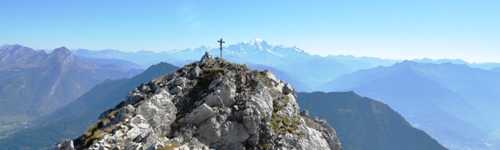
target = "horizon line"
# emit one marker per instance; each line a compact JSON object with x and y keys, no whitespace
{"x":270,"y":43}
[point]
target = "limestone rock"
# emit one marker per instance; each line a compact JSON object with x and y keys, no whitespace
{"x":199,"y":114}
{"x":210,"y":104}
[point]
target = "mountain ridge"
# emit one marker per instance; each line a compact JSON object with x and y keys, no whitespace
{"x":34,"y":82}
{"x":208,"y":104}
{"x":285,"y":58}
{"x":441,"y":99}
{"x":308,"y":68}
{"x":73,"y":119}
{"x":363,"y":123}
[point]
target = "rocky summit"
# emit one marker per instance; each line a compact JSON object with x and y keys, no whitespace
{"x":209,"y":104}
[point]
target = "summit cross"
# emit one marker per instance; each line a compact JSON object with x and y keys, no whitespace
{"x":221,"y":41}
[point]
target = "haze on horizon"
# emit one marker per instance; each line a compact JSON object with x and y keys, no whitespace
{"x":388,"y":29}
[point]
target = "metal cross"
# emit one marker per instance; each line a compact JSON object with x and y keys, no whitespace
{"x":221,"y":41}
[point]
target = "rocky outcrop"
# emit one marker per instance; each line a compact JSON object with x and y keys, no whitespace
{"x":210,"y":104}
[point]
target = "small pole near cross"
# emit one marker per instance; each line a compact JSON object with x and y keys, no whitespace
{"x":221,"y":41}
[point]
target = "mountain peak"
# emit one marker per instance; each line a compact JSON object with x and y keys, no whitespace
{"x":12,"y":46}
{"x":258,"y":40}
{"x":406,"y":63}
{"x":61,"y":51}
{"x":15,"y":56}
{"x":258,"y":43}
{"x":209,"y":104}
{"x":16,"y":48}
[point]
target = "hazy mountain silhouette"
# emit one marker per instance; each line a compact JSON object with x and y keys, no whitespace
{"x":363,"y":123}
{"x":442,"y":99}
{"x":310,"y":70}
{"x":73,"y":119}
{"x":34,"y":83}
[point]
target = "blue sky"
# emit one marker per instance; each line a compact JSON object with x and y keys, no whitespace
{"x":384,"y":28}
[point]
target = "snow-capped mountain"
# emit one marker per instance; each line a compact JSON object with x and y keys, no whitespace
{"x":311,"y":69}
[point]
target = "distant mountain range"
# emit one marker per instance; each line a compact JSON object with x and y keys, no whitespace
{"x":362,"y":123}
{"x":35,"y":83}
{"x":75,"y":117}
{"x":485,"y":66}
{"x":369,"y":115}
{"x":452,"y":102}
{"x":308,"y":69}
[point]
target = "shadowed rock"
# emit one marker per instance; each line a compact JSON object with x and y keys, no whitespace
{"x":210,"y":104}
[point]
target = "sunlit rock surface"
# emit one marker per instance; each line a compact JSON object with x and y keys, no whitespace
{"x":210,"y":104}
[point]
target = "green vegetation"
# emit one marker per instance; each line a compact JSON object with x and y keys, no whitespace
{"x":93,"y":133}
{"x":283,"y":124}
{"x":267,"y":146}
{"x":98,"y":130}
{"x":262,"y":77}
{"x":170,"y":146}
{"x":208,"y":75}
{"x":214,"y":72}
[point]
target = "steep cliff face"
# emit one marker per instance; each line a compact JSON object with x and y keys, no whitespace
{"x":208,"y":104}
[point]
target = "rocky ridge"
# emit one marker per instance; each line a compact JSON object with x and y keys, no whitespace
{"x":210,"y":104}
